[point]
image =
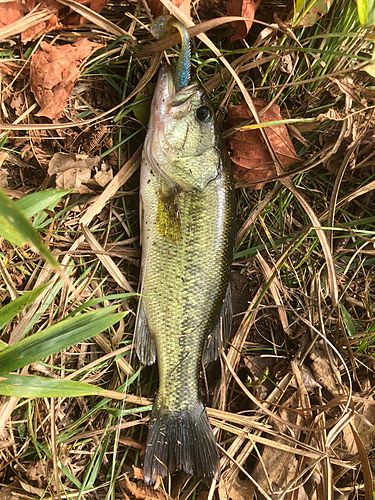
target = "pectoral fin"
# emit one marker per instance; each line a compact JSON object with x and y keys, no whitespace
{"x":144,"y":342}
{"x":220,"y":333}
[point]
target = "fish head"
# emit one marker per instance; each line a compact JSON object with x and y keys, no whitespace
{"x":183,"y":142}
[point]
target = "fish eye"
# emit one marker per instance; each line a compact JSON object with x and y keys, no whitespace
{"x":204,"y":114}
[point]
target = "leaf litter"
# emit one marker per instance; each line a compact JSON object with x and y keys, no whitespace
{"x":74,"y":171}
{"x":242,"y":8}
{"x":53,"y":72}
{"x":251,"y":159}
{"x":273,"y":429}
{"x":59,"y":17}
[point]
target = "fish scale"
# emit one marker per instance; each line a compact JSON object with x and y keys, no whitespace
{"x":187,"y":213}
{"x":188,"y":315}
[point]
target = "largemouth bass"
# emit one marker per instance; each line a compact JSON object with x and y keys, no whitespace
{"x":187,"y":232}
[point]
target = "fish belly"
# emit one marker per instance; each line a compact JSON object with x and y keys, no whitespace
{"x":186,"y":257}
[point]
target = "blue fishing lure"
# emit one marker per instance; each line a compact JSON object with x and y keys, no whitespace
{"x":164,"y":26}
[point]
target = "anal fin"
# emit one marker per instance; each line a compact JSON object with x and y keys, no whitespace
{"x":220,"y":333}
{"x":144,"y":342}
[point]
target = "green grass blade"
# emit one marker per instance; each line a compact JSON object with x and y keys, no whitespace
{"x":57,"y":337}
{"x":28,"y":386}
{"x":47,"y":300}
{"x":98,"y":300}
{"x":10,"y":311}
{"x":16,"y":228}
{"x":348,"y":321}
{"x":366,"y":12}
{"x":33,"y":203}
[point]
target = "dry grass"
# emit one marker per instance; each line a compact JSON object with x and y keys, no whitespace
{"x":292,"y":399}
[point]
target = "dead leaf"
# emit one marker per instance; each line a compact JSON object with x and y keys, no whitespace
{"x":7,"y":68}
{"x":6,"y":439}
{"x":38,"y":473}
{"x":3,"y":178}
{"x":34,"y":32}
{"x":17,"y":103}
{"x":319,"y":8}
{"x":138,"y":473}
{"x":63,"y":17}
{"x":32,"y":489}
{"x":331,"y":114}
{"x":364,"y":424}
{"x":251,"y":160}
{"x":324,"y":368}
{"x":307,"y":378}
{"x":104,"y":176}
{"x":72,"y":171}
{"x":235,"y":490}
{"x":142,"y":492}
{"x":132,"y":443}
{"x":54,"y":71}
{"x":156,"y":7}
{"x":203,"y":495}
{"x":8,"y":494}
{"x":183,"y":6}
{"x":243,"y":8}
{"x":278,"y":467}
{"x":10,"y":12}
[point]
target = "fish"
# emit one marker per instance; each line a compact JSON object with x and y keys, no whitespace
{"x":187,"y":216}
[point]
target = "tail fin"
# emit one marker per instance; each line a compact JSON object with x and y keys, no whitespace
{"x":181,"y":440}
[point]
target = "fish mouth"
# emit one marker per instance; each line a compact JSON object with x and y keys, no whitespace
{"x":165,"y":96}
{"x":165,"y":88}
{"x":166,"y":102}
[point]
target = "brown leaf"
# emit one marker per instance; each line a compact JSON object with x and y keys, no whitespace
{"x":34,"y":32}
{"x":156,"y":7}
{"x":184,"y":6}
{"x":137,"y":473}
{"x":251,"y":160}
{"x":54,"y":71}
{"x":332,"y":114}
{"x":10,"y":12}
{"x":203,"y":495}
{"x":278,"y":467}
{"x":32,"y":489}
{"x":235,"y":490}
{"x":72,"y":171}
{"x":104,"y":176}
{"x":62,"y":18}
{"x":8,"y":494}
{"x":132,"y":443}
{"x":3,"y":178}
{"x":6,"y":68}
{"x":141,"y":491}
{"x":324,"y":369}
{"x":38,"y":473}
{"x":243,"y":8}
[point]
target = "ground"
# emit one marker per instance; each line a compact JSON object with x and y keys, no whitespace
{"x":292,"y":397}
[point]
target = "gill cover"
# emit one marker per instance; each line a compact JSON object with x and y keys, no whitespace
{"x":182,"y":143}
